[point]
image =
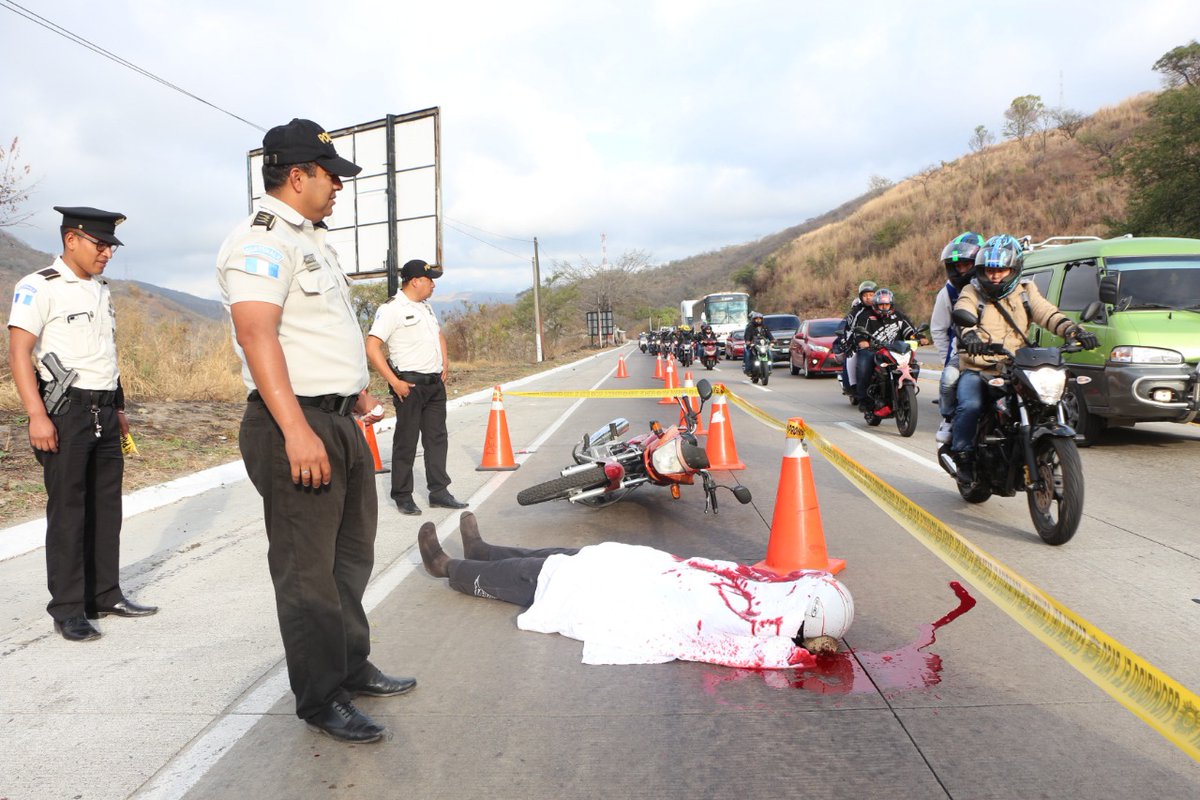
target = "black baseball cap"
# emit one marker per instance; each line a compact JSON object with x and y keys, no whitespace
{"x":92,"y":221}
{"x":419,"y":269}
{"x":302,"y":141}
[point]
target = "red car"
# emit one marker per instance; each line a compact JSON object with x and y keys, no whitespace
{"x":811,"y":352}
{"x":735,"y":345}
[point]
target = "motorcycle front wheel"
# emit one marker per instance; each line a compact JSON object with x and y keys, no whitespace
{"x":1057,"y":507}
{"x":766,"y":377}
{"x":906,"y":410}
{"x":561,"y":488}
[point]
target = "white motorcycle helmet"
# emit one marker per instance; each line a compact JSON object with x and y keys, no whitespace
{"x":830,"y":610}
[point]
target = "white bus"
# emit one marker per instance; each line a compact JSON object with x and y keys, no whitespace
{"x":726,"y":312}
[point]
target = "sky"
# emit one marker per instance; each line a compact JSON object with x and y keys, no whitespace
{"x":673,"y":127}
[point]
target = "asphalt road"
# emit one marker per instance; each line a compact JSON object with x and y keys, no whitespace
{"x":937,"y":692}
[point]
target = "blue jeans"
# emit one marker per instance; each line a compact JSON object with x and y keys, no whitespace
{"x":947,"y":397}
{"x":968,"y":410}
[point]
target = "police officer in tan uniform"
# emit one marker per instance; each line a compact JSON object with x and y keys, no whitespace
{"x":306,"y":373}
{"x":63,"y":315}
{"x":415,"y":367}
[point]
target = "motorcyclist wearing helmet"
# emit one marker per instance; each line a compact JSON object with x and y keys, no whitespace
{"x":958,"y":259}
{"x":880,"y":326}
{"x":997,"y":285}
{"x":755,"y":329}
{"x":683,"y":338}
{"x":864,"y":301}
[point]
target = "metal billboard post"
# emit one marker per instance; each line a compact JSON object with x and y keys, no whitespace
{"x":393,"y":279}
{"x":537,"y":304}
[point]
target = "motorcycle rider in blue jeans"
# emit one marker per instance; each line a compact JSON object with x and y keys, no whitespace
{"x":958,"y":259}
{"x":995,"y":285}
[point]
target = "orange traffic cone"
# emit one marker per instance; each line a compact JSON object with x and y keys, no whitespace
{"x":672,"y":382}
{"x":658,"y":366}
{"x":797,"y":536}
{"x":621,"y":371}
{"x":700,"y":430}
{"x":721,"y":450}
{"x":497,"y":449}
{"x":368,"y":432}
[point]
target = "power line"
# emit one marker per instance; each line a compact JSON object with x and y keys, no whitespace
{"x":79,"y":40}
{"x":448,"y":224}
{"x":490,"y":233}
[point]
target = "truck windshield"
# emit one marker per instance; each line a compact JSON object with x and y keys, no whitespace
{"x":781,"y":322}
{"x":1159,"y":282}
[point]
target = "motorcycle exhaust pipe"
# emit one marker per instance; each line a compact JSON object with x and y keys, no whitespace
{"x":947,"y":462}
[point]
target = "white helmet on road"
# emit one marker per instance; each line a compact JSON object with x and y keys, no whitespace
{"x":830,"y":610}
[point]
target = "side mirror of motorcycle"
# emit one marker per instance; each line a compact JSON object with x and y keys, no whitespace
{"x":742,"y":494}
{"x":1094,"y":311}
{"x":704,"y":389}
{"x":963,"y":318}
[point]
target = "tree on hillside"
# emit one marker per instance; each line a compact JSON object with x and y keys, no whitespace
{"x":1180,"y":66}
{"x":877,"y":183}
{"x":1163,"y":167}
{"x":1067,"y":120}
{"x":13,"y":191}
{"x":1022,"y":117}
{"x":604,"y":287}
{"x":980,"y":139}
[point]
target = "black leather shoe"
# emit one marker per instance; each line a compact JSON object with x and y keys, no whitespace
{"x":125,"y":608}
{"x":76,"y":629}
{"x":446,"y":500}
{"x":344,"y":722}
{"x":408,"y":507}
{"x":383,"y":686}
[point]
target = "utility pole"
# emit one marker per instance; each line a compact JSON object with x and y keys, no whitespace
{"x":537,"y":304}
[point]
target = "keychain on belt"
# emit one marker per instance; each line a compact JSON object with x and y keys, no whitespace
{"x":96,"y":419}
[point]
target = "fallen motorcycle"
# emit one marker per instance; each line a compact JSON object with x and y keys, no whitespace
{"x":607,"y":467}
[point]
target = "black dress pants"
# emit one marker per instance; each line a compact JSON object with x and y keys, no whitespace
{"x":83,"y":511}
{"x":509,"y":573}
{"x":422,"y":413}
{"x":321,"y":551}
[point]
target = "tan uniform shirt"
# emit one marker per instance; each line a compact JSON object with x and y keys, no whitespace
{"x":993,"y":327}
{"x":72,"y":318}
{"x":284,"y":260}
{"x":412,"y":334}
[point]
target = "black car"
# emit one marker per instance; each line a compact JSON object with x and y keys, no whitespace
{"x":782,"y":327}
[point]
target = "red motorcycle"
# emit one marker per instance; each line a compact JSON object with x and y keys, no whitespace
{"x":893,"y":386}
{"x":708,"y":353}
{"x":607,"y":467}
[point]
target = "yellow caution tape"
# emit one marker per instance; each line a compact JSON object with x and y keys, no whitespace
{"x":609,"y":394}
{"x":1159,"y":700}
{"x":128,"y":447}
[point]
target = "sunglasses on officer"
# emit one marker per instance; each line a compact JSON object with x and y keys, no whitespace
{"x":100,"y":246}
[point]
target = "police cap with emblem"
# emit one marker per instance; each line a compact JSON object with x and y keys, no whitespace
{"x":302,"y":141}
{"x":92,"y":221}
{"x":419,"y":269}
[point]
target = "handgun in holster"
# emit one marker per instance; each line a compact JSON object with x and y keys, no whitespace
{"x":54,"y":394}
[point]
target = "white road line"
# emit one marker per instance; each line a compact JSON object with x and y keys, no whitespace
{"x":895,"y":448}
{"x":185,"y":770}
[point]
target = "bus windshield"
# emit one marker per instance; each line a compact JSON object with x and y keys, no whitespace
{"x":727,"y":310}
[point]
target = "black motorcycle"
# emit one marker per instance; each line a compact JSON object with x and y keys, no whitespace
{"x":1023,"y":442}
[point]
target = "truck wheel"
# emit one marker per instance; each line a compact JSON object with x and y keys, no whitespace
{"x":1088,"y":426}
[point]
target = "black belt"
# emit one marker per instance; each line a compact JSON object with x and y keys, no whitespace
{"x":93,"y":397}
{"x":329,"y":403}
{"x":425,"y":378}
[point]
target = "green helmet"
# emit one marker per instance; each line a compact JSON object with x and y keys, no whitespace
{"x":866,"y":286}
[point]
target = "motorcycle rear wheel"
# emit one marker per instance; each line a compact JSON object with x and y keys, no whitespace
{"x":1057,"y":508}
{"x":906,"y":410}
{"x":561,"y":488}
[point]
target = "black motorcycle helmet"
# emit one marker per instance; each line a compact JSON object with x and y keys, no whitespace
{"x":999,"y":252}
{"x":756,"y":317}
{"x":962,"y":248}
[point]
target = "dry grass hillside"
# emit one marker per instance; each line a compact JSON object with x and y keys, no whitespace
{"x":1045,"y":186}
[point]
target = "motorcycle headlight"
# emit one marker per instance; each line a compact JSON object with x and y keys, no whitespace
{"x":667,"y":459}
{"x":1128,"y":354}
{"x":1049,"y":383}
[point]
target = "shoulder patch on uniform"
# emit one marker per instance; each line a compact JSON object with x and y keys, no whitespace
{"x":49,"y":273}
{"x":23,"y":295}
{"x":263,"y":219}
{"x":259,"y":259}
